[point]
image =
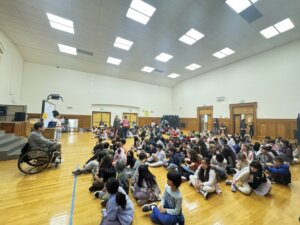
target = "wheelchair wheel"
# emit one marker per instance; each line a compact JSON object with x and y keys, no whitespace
{"x":34,"y":161}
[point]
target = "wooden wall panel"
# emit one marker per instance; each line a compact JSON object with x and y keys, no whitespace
{"x":276,"y":128}
{"x":189,"y":124}
{"x":147,"y":120}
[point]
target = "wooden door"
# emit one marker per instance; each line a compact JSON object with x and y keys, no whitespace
{"x":97,"y":117}
{"x":132,"y":117}
{"x":249,"y":112}
{"x":237,"y":123}
{"x":248,"y":120}
{"x":201,"y":113}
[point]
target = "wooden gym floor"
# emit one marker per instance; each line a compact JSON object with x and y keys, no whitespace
{"x":46,"y":198}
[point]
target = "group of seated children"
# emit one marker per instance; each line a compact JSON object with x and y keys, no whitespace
{"x":202,"y":159}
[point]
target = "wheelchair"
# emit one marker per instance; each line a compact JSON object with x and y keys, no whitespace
{"x":32,"y":161}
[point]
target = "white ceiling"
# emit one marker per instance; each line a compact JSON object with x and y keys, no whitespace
{"x":97,"y":23}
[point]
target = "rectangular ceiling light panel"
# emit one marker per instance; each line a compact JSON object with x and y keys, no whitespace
{"x":123,"y":43}
{"x":279,"y":27}
{"x":227,"y":51}
{"x":60,"y":23}
{"x":164,"y":57}
{"x":223,"y":53}
{"x":238,"y":5}
{"x":193,"y":66}
{"x":269,"y":32}
{"x":191,"y":37}
{"x":67,"y":49}
{"x":174,"y":75}
{"x":140,"y":11}
{"x":147,"y":69}
{"x":284,"y":25}
{"x":114,"y":61}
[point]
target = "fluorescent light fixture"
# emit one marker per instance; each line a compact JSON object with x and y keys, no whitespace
{"x":238,"y":5}
{"x":123,"y":43}
{"x":174,"y":75}
{"x":147,"y":69}
{"x":114,"y":61}
{"x":191,"y":37}
{"x":284,"y":25}
{"x":227,"y":51}
{"x":140,"y":11}
{"x":194,"y":34}
{"x":67,"y":49}
{"x":60,"y":23}
{"x":219,"y":55}
{"x":187,"y":40}
{"x":269,"y":32}
{"x":142,"y":7}
{"x":137,"y":16}
{"x":164,"y":57}
{"x":193,"y":66}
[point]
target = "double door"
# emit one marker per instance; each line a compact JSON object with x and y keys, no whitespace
{"x":103,"y":117}
{"x":132,"y":117}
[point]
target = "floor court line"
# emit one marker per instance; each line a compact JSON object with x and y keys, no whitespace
{"x":73,"y":199}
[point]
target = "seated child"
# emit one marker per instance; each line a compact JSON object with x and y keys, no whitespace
{"x":252,"y":179}
{"x":123,"y":179}
{"x":191,"y":164}
{"x":158,"y":158}
{"x":130,"y":159}
{"x":119,"y":208}
{"x":279,"y":172}
{"x":174,"y":160}
{"x":205,"y":178}
{"x":106,"y":171}
{"x":219,"y":163}
{"x":170,"y":209}
{"x":264,"y":156}
{"x":145,"y":187}
{"x":141,"y":160}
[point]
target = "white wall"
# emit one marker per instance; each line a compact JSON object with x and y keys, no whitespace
{"x":80,"y":90}
{"x":11,"y":69}
{"x":272,"y":79}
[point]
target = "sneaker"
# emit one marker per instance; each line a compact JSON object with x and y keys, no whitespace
{"x":98,"y":194}
{"x":77,"y":172}
{"x":228,"y":182}
{"x":148,"y":207}
{"x":204,"y":193}
{"x":233,"y":188}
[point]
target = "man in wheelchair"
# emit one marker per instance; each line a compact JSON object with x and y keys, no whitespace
{"x":36,"y":140}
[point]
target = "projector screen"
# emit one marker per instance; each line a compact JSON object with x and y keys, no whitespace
{"x":47,"y":114}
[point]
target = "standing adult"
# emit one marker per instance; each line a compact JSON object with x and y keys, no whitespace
{"x":243,"y":127}
{"x":251,"y":130}
{"x":58,"y":127}
{"x":116,"y":125}
{"x":125,"y":126}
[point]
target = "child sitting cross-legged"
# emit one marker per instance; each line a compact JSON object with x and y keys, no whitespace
{"x":158,"y":158}
{"x":279,"y":171}
{"x":169,"y":211}
{"x":145,"y":187}
{"x":119,"y":208}
{"x":205,"y":179}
